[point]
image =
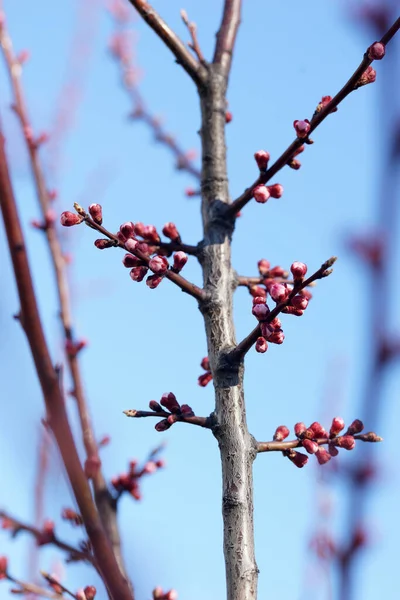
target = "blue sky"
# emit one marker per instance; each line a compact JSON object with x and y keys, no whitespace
{"x":144,"y":342}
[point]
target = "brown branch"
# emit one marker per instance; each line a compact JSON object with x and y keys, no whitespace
{"x":289,"y":444}
{"x":194,"y":44}
{"x":181,"y":282}
{"x":53,"y":397}
{"x":237,"y":355}
{"x":121,"y":50}
{"x":102,"y":495}
{"x":194,"y":420}
{"x":183,"y":57}
{"x":318,"y":117}
{"x":226,"y":35}
{"x":53,"y":581}
{"x":16,"y":526}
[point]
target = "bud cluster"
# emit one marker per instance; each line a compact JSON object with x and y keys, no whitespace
{"x":129,"y":482}
{"x":281,"y":292}
{"x":88,"y":593}
{"x":68,"y":514}
{"x":206,"y":377}
{"x":170,"y":404}
{"x":313,"y":438}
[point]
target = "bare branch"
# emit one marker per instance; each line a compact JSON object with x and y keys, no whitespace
{"x":317,"y":119}
{"x":48,"y":376}
{"x":226,"y":35}
{"x":194,"y":44}
{"x":196,"y":71}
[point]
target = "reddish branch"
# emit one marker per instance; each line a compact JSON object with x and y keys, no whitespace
{"x":275,"y":446}
{"x":102,"y":496}
{"x":183,"y":57}
{"x":194,"y":420}
{"x":317,"y":119}
{"x":49,"y":380}
{"x":122,"y":52}
{"x":244,"y":346}
{"x":181,"y":282}
{"x":15,"y":526}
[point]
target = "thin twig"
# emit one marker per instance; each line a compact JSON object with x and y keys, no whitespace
{"x":181,"y":282}
{"x":16,"y":526}
{"x":194,"y":420}
{"x":196,"y":71}
{"x":194,"y":44}
{"x":32,"y":588}
{"x":48,"y":376}
{"x":237,"y":355}
{"x":288,"y":444}
{"x":53,"y":581}
{"x":102,"y":494}
{"x":236,"y":206}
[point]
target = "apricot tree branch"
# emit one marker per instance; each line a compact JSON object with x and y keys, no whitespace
{"x":318,"y":117}
{"x":226,"y":35}
{"x":276,"y":446}
{"x":237,"y":355}
{"x":55,"y":406}
{"x":196,"y":70}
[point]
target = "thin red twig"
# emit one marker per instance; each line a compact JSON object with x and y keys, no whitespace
{"x":317,"y":119}
{"x":194,"y":420}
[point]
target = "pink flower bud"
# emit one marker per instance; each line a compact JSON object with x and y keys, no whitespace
{"x":43,"y":138}
{"x":170,"y":402}
{"x":127,"y":229}
{"x":162,"y":425}
{"x":172,"y":594}
{"x":333,"y":451}
{"x":347,"y":442}
{"x":96,"y":212}
{"x":376,"y":51}
{"x":23,"y":56}
{"x":258,"y":300}
{"x":302,"y":128}
{"x":103,"y":243}
{"x":275,"y":324}
{"x":294,"y":164}
{"x":158,"y":264}
{"x":281,"y":433}
{"x":3,"y":567}
{"x":256,"y":290}
{"x":298,"y":270}
{"x":356,"y":427}
{"x":190,"y":192}
{"x":336,"y":427}
{"x":204,"y":379}
{"x":299,"y":302}
{"x":150,"y":467}
{"x":138,"y":273}
{"x":187,"y":411}
{"x":205,"y":364}
{"x":170,"y":231}
{"x":131,"y":245}
{"x":260,"y":311}
{"x":150,"y":234}
{"x":310,"y":446}
{"x":262,"y":158}
{"x":276,"y":190}
{"x":154,"y":405}
{"x":319,"y":431}
{"x":278,"y":292}
{"x":130,"y":261}
{"x":298,"y":458}
{"x":158,"y":593}
{"x":261,"y":194}
{"x":367,"y":77}
{"x":139,"y":229}
{"x":263,"y":266}
{"x":68,"y":219}
{"x":261,"y":345}
{"x":143,"y":248}
{"x":228,"y":116}
{"x":172,"y":419}
{"x":322,"y":455}
{"x":153,"y":281}
{"x":90,"y":592}
{"x":277,"y":272}
{"x":277,"y":337}
{"x":180,"y":260}
{"x":299,"y":429}
{"x":324,"y":102}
